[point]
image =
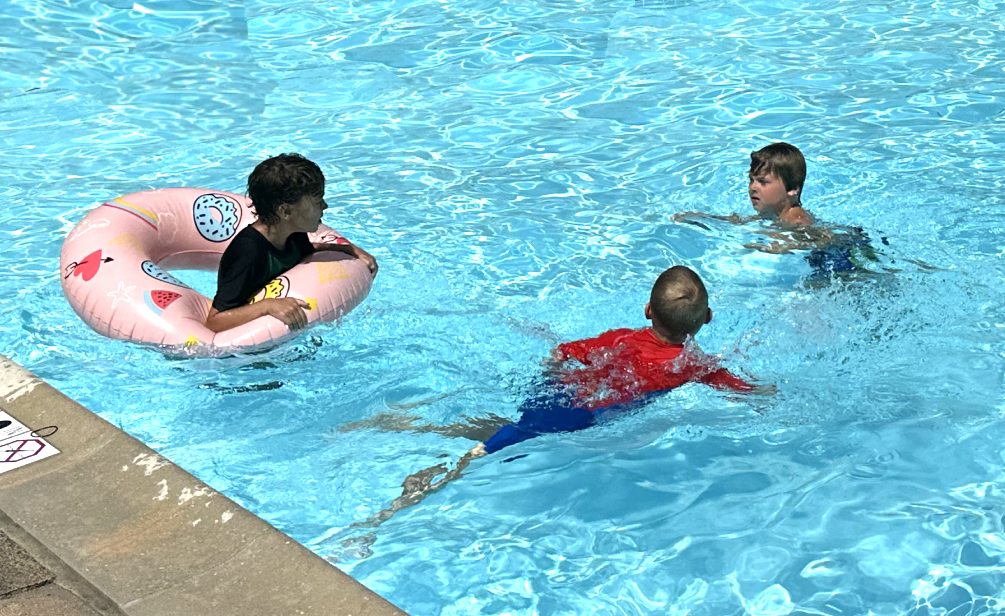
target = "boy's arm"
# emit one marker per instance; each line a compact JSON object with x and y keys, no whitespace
{"x":353,"y":251}
{"x":724,"y":379}
{"x":804,"y":238}
{"x":686,"y":217}
{"x":289,"y":310}
{"x":240,"y":268}
{"x":776,"y":248}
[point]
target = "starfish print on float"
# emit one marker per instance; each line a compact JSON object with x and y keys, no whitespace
{"x":121,"y":294}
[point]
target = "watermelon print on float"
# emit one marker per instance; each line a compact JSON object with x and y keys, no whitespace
{"x":157,"y":301}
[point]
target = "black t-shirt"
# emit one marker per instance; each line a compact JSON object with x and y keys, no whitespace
{"x":251,"y":261}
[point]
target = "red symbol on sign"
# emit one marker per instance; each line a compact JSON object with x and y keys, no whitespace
{"x":15,"y":451}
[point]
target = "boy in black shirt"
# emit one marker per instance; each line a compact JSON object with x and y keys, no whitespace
{"x":287,"y":192}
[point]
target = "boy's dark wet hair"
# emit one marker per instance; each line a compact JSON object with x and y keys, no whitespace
{"x":783,"y":160}
{"x":679,"y":301}
{"x":286,"y":178}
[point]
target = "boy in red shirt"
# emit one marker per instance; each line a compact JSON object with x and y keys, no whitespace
{"x":616,"y":370}
{"x":624,"y":366}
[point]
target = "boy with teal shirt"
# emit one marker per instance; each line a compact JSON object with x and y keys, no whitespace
{"x":287,"y":192}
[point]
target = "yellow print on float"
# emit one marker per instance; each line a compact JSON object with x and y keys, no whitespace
{"x":127,"y":240}
{"x":330,"y":270}
{"x":280,"y":287}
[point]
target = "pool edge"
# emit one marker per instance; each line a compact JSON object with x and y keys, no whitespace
{"x":148,"y":536}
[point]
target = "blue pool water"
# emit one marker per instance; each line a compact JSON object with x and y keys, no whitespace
{"x":514,"y":165}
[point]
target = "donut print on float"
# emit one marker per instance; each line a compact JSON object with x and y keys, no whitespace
{"x":216,"y":217}
{"x":150,"y":269}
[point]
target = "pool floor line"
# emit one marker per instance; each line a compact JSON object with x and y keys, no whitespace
{"x":109,"y":527}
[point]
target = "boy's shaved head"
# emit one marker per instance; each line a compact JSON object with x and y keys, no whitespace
{"x":679,"y":302}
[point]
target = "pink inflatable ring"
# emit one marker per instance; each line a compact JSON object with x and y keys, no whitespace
{"x":114,"y":269}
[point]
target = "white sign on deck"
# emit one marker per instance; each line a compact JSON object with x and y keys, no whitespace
{"x":20,"y":445}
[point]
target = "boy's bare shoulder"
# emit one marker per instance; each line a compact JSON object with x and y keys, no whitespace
{"x":797,"y":217}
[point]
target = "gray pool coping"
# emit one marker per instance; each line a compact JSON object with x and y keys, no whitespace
{"x":34,"y":581}
{"x":108,"y":527}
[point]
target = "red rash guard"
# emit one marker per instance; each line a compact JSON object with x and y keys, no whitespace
{"x":625,"y":364}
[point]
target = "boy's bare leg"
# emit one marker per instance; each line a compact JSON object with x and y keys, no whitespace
{"x":475,"y":429}
{"x":419,"y":485}
{"x":384,"y":422}
{"x":407,"y":406}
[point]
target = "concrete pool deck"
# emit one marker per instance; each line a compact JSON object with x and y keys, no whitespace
{"x":109,"y":527}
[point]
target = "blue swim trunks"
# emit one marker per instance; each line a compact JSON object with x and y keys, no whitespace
{"x":831,"y":260}
{"x":541,"y":414}
{"x":847,"y":252}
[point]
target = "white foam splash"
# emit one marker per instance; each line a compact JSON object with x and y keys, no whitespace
{"x":164,"y":490}
{"x":188,"y":494}
{"x":150,"y":462}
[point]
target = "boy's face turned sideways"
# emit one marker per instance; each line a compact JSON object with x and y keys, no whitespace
{"x":768,"y":194}
{"x":305,"y":215}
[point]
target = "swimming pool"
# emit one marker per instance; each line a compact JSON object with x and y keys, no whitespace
{"x":514,"y":167}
